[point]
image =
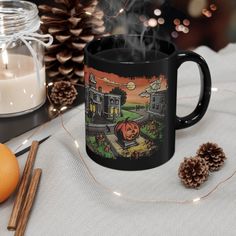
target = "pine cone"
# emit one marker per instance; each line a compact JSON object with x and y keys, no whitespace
{"x":213,"y":155}
{"x":72,"y":23}
{"x":63,"y":93}
{"x":193,"y":171}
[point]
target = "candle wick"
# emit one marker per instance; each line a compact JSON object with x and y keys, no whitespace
{"x":6,"y":66}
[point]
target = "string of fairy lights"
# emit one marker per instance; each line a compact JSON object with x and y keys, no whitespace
{"x":75,"y":142}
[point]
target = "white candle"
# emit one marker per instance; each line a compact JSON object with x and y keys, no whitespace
{"x":20,"y":89}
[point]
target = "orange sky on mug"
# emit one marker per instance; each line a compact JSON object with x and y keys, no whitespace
{"x":133,"y":87}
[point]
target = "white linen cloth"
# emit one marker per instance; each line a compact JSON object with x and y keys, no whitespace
{"x":68,"y":203}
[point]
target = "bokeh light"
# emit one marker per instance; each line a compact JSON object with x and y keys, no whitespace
{"x":186,"y":30}
{"x":206,"y":13}
{"x":176,"y":21}
{"x":142,"y":18}
{"x":181,"y":27}
{"x":175,"y":34}
{"x":152,"y":22}
{"x":161,"y":21}
{"x":157,"y":12}
{"x":145,"y":23}
{"x":175,"y":18}
{"x":213,"y":7}
{"x":186,"y":22}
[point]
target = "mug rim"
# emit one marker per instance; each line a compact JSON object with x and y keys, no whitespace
{"x":120,"y":36}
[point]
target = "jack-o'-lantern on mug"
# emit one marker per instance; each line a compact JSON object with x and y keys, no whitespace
{"x":127,"y":130}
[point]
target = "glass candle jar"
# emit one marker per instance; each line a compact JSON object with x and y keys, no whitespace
{"x":22,"y":69}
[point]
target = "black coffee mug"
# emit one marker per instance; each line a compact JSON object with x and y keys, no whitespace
{"x":130,"y":100}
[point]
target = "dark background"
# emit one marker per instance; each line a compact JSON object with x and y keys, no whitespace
{"x":215,"y":31}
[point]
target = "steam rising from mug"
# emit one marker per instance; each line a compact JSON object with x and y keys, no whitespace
{"x":129,"y":24}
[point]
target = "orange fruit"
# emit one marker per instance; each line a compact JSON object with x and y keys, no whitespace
{"x":9,"y":172}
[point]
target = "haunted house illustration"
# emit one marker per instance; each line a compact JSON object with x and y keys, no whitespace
{"x":98,"y":103}
{"x":157,"y":98}
{"x":157,"y":104}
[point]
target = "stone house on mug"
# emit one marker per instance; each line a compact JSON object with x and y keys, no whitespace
{"x":157,"y":104}
{"x":105,"y":105}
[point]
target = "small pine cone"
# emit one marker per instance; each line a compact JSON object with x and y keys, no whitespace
{"x":213,"y":155}
{"x":63,"y":93}
{"x":193,"y":171}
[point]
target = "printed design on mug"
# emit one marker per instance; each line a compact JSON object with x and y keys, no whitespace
{"x":124,"y":115}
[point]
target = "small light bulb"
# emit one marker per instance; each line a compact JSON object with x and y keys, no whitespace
{"x":88,"y":13}
{"x":50,"y":84}
{"x":214,"y":89}
{"x":63,"y":108}
{"x":4,"y":56}
{"x":121,"y":10}
{"x":76,"y":144}
{"x":117,"y":194}
{"x":197,"y":199}
{"x":25,"y":142}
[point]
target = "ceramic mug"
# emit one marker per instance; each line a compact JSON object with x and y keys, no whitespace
{"x":130,"y":100}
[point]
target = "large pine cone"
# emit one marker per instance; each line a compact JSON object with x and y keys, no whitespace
{"x":72,"y":23}
{"x":193,"y":172}
{"x":213,"y":155}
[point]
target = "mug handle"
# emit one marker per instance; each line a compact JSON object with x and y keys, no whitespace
{"x":205,"y":94}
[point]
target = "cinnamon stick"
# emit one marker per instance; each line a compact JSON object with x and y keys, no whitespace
{"x":18,"y":204}
{"x":29,"y":201}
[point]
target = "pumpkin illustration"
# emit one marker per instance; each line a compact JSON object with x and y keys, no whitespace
{"x":127,"y":130}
